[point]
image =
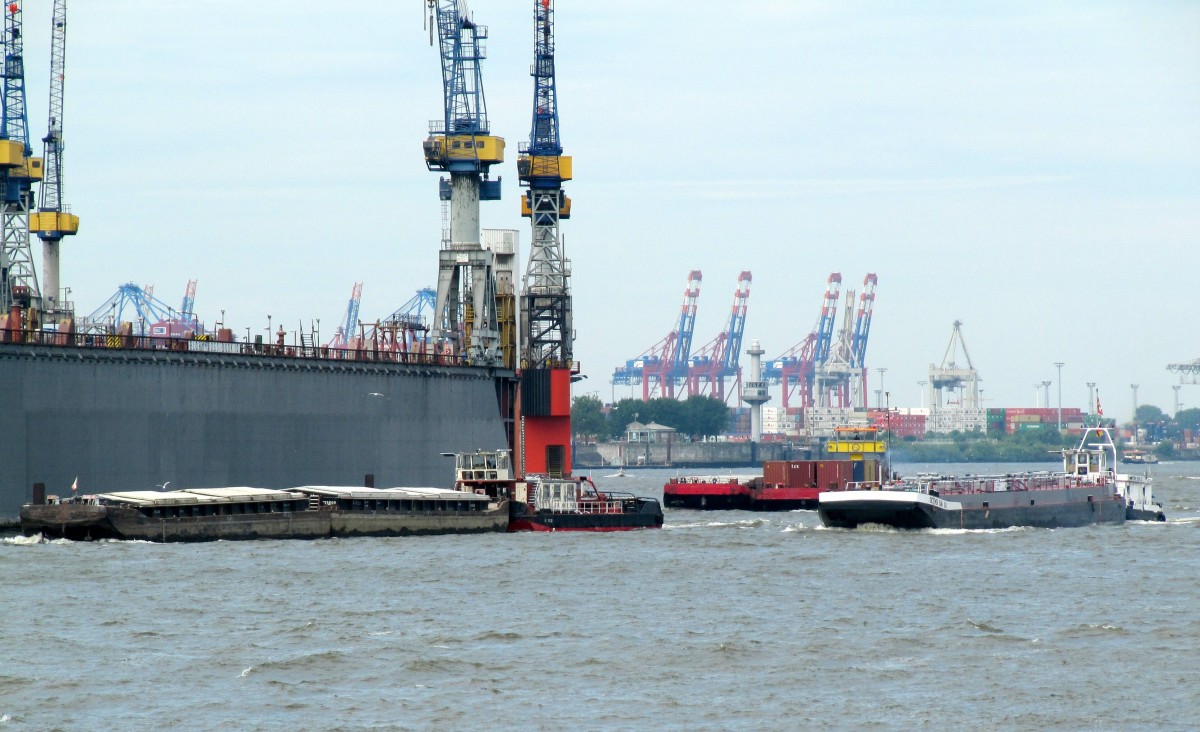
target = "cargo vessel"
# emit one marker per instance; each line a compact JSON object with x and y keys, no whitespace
{"x":854,"y":454}
{"x":311,"y":512}
{"x":1088,"y":490}
{"x":541,"y":503}
{"x":110,"y":412}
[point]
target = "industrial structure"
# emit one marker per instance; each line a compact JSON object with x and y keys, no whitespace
{"x":1189,"y":372}
{"x":346,"y":334}
{"x":465,"y":320}
{"x":717,"y":360}
{"x":547,"y":361}
{"x":661,"y":367}
{"x":823,"y":370}
{"x":754,"y":392}
{"x":134,"y":311}
{"x":20,"y":295}
{"x":954,"y":383}
{"x":52,"y":221}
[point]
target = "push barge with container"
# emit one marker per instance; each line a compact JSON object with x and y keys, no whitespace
{"x":855,"y":454}
{"x":1088,"y":490}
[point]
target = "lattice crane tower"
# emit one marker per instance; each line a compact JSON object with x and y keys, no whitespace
{"x":18,"y":172}
{"x":546,"y":292}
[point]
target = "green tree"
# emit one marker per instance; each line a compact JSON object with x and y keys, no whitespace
{"x":588,"y":418}
{"x":624,"y":412}
{"x":1148,"y":413}
{"x":705,"y":416}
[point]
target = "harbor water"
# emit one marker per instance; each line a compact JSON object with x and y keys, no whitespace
{"x":720,"y":621}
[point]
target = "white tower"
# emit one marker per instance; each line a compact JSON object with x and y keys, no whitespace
{"x":754,"y":392}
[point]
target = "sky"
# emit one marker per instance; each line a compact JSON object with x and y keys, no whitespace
{"x":1029,"y":168}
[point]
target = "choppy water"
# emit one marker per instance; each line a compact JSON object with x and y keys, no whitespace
{"x":722,"y":620}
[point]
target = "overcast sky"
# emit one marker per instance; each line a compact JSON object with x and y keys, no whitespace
{"x":1030,"y":168}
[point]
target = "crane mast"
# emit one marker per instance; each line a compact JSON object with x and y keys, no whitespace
{"x":465,"y":323}
{"x":50,"y":222}
{"x":18,"y":172}
{"x":547,"y":360}
{"x":546,"y":295}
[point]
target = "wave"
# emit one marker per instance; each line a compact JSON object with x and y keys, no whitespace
{"x":24,"y":540}
{"x":743,"y":524}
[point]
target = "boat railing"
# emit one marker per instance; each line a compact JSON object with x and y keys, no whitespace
{"x":584,"y":505}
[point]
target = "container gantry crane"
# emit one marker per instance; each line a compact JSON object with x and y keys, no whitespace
{"x":664,"y":365}
{"x":346,"y":334}
{"x":717,"y":360}
{"x":465,"y":321}
{"x":547,"y":364}
{"x":18,"y":172}
{"x":154,"y":317}
{"x":51,"y":223}
{"x":188,"y":306}
{"x":407,"y":329}
{"x":795,"y":368}
{"x":862,"y":327}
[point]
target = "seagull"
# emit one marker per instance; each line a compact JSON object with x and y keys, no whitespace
{"x":163,"y":487}
{"x":375,"y":393}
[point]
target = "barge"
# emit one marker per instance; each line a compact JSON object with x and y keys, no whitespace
{"x":310,"y":512}
{"x":854,"y":454}
{"x":1088,"y":490}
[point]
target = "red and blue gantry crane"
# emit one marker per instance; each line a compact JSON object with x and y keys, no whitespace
{"x":796,"y":367}
{"x":718,"y":360}
{"x":663,"y":366}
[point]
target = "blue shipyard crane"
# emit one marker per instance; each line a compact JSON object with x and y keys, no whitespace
{"x":546,"y":294}
{"x":662,"y":366}
{"x":188,"y":307}
{"x":717,"y":360}
{"x":344,"y":336}
{"x":862,"y":322}
{"x":407,"y":329}
{"x":465,"y":321}
{"x":51,"y":223}
{"x":154,"y":317}
{"x":18,"y":172}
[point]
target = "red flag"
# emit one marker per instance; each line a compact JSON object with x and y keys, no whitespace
{"x":1099,"y":410}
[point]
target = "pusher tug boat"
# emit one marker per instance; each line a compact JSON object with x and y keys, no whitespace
{"x":539,"y":503}
{"x":1087,"y":491}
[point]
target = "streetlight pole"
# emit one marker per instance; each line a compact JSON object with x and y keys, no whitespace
{"x":1091,"y":385}
{"x":1059,"y":365}
{"x":1176,"y":388}
{"x":881,"y":371}
{"x":922,"y":385}
{"x":1046,"y":394}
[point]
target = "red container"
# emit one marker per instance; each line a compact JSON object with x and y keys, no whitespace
{"x":801,"y":474}
{"x":775,"y":472}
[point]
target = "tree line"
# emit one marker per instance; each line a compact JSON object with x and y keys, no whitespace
{"x":692,"y":418}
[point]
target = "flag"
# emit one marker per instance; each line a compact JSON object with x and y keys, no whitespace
{"x":75,"y":484}
{"x":1099,"y":410}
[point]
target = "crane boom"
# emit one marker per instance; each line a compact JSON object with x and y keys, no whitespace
{"x":51,"y":223}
